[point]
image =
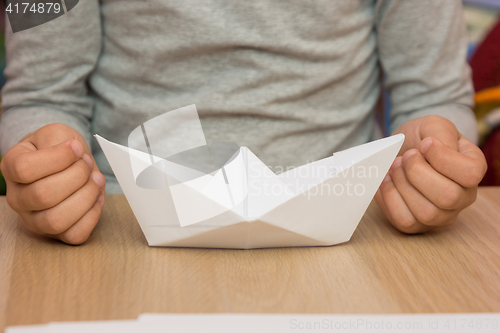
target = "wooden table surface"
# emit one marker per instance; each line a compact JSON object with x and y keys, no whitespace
{"x":115,"y":275}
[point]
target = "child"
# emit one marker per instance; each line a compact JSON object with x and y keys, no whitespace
{"x":292,"y":80}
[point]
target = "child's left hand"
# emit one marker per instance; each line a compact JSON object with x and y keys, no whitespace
{"x":435,"y":176}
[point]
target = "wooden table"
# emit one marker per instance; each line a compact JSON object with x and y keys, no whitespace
{"x":115,"y":275}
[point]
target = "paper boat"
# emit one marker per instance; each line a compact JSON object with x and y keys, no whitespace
{"x":317,"y":204}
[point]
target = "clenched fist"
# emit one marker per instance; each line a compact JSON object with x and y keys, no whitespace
{"x":435,"y":177}
{"x":54,"y":183}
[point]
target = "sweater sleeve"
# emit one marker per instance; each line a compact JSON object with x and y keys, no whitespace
{"x":47,"y":71}
{"x":422,"y":47}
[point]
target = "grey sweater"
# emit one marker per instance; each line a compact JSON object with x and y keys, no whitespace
{"x":293,"y":80}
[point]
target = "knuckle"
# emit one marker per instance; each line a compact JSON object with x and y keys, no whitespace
{"x":74,"y":237}
{"x":78,"y":174}
{"x":436,"y":120}
{"x":54,"y":128}
{"x":41,"y":195}
{"x":82,"y":172}
{"x":449,"y":199}
{"x":406,"y":223}
{"x":474,"y":175}
{"x":415,"y":228}
{"x":413,"y":168}
{"x":428,"y":215}
{"x":79,"y":234}
{"x":53,"y":134}
{"x":52,"y":223}
{"x":397,"y":177}
{"x":22,"y":168}
{"x":13,"y":201}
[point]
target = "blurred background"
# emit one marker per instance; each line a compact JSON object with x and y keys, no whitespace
{"x":483,"y":25}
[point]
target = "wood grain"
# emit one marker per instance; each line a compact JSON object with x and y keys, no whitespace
{"x":115,"y":275}
{"x":8,"y":226}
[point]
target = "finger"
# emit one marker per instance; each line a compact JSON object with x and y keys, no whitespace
{"x":29,"y":223}
{"x":7,"y":165}
{"x":440,"y":190}
{"x":442,"y":129}
{"x":400,"y":215}
{"x":60,"y":218}
{"x":380,"y":199}
{"x":25,"y":165}
{"x":81,"y":230}
{"x":50,"y":191}
{"x":420,"y":207}
{"x":466,"y":166}
{"x":52,"y":135}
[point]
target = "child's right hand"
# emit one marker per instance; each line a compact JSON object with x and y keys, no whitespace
{"x":54,"y":183}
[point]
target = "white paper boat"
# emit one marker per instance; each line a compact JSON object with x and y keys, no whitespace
{"x":317,"y":204}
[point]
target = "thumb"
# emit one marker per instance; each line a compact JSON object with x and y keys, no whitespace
{"x":465,"y":166}
{"x":442,"y":129}
{"x":52,"y":135}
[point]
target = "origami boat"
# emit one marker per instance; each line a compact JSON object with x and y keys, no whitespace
{"x":243,"y":204}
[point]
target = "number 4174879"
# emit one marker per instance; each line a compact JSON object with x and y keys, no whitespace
{"x":36,"y":8}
